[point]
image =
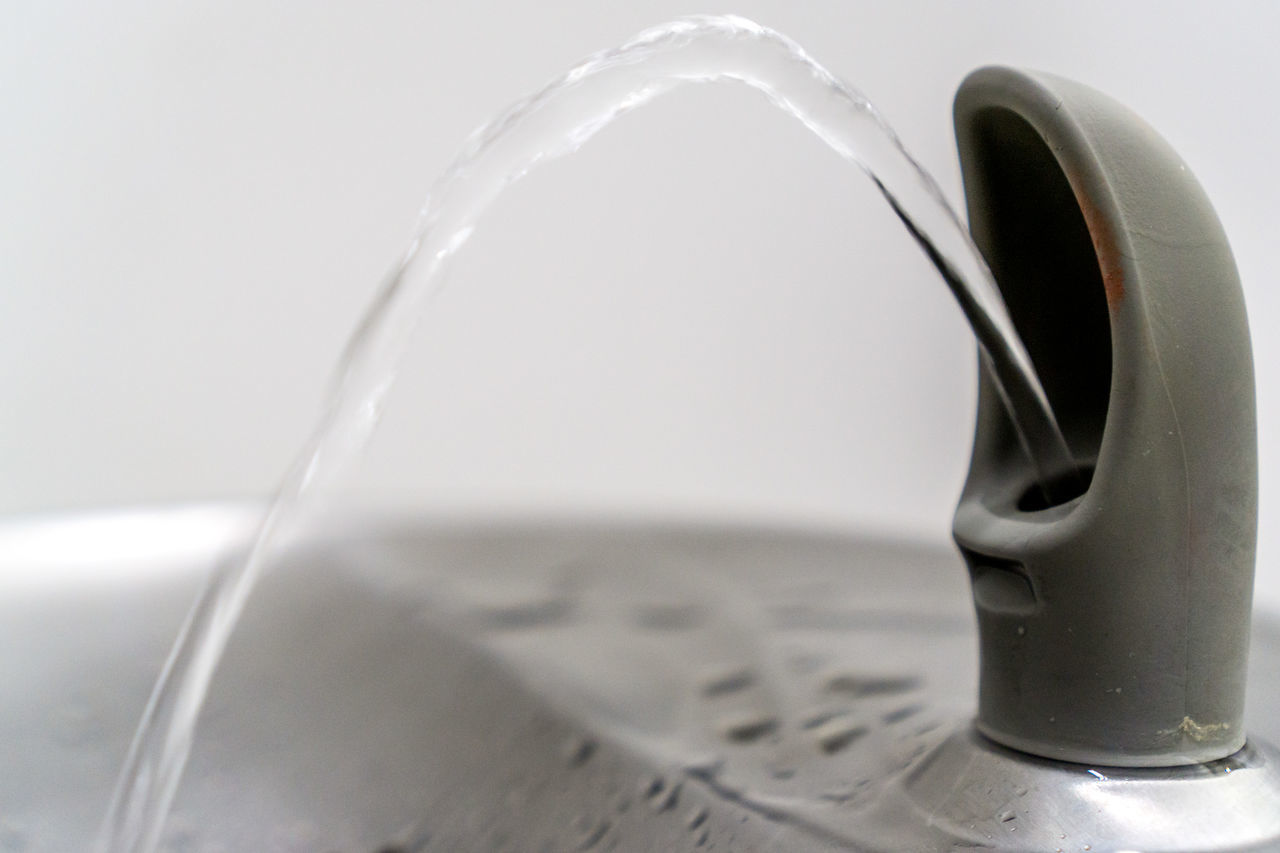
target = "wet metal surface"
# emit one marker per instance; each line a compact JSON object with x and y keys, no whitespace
{"x":508,"y":686}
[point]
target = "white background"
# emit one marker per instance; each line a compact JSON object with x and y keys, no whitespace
{"x":703,"y":312}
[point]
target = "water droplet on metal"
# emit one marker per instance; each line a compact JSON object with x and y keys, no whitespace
{"x":727,"y":682}
{"x":900,"y":714}
{"x":814,"y":719}
{"x":837,"y":733}
{"x":669,"y":800}
{"x":748,"y":727}
{"x":593,"y":832}
{"x":578,"y":751}
{"x":526,"y":615}
{"x":871,"y":685}
{"x":706,"y":767}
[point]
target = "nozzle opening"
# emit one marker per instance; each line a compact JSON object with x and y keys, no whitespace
{"x":1065,"y":488}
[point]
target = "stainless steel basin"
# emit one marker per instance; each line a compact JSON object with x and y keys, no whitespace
{"x":408,"y":684}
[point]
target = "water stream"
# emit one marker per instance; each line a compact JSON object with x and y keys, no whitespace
{"x":557,"y":120}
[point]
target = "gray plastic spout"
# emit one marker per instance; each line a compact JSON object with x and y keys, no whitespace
{"x":1114,"y":626}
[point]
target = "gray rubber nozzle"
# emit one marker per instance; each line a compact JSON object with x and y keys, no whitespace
{"x":1114,"y":626}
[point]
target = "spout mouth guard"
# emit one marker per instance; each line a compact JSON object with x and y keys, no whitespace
{"x":1114,"y":626}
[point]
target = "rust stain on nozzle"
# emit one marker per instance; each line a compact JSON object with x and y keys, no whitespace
{"x":1104,"y":246}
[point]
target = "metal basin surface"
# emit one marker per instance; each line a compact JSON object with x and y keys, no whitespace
{"x":411,"y":684}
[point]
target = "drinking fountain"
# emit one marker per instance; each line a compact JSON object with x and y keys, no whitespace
{"x":525,"y":683}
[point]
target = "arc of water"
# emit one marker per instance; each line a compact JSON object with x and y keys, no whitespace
{"x":555,"y":121}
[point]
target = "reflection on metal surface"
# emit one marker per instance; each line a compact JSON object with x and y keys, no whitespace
{"x":56,"y":551}
{"x":372,"y":698}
